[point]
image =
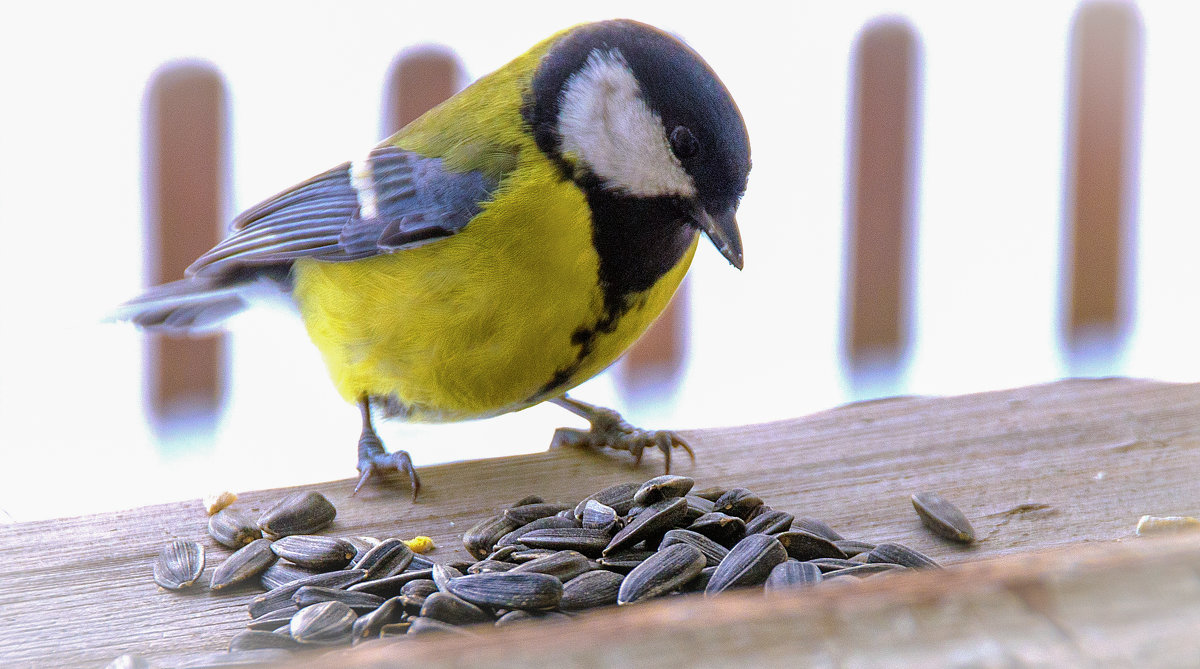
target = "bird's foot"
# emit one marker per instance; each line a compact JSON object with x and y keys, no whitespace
{"x":373,"y":459}
{"x":609,"y":430}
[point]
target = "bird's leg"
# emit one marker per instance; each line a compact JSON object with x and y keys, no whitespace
{"x":372,"y":458}
{"x":609,"y":430}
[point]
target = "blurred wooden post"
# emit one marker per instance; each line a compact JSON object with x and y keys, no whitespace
{"x":186,"y":163}
{"x":419,"y":79}
{"x":882,"y":152}
{"x":1104,"y":128}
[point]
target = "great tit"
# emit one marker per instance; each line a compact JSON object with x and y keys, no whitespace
{"x":504,"y":247}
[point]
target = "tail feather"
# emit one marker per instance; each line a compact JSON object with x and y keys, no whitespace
{"x":185,"y":306}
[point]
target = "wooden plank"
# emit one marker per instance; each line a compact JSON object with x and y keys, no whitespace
{"x":1135,"y":603}
{"x":1065,"y":463}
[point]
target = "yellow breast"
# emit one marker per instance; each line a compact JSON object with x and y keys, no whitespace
{"x":479,"y":323}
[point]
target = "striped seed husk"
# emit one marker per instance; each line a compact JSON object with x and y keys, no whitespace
{"x":591,"y":589}
{"x":713,"y":551}
{"x":389,"y":558}
{"x":817,"y":527}
{"x":369,"y":625}
{"x":302,"y":512}
{"x":770,"y":522}
{"x":527,"y":513}
{"x":454,"y":610}
{"x":326,"y":623}
{"x":563,"y":565}
{"x":179,"y":564}
{"x":748,"y":563}
{"x":619,"y":497}
{"x":256,"y":639}
{"x":361,"y":602}
{"x":943,"y":518}
{"x":509,"y":590}
{"x":587,"y":541}
{"x":805,"y":546}
{"x":666,"y":570}
{"x":654,"y":520}
{"x":246,"y":563}
{"x":282,"y":596}
{"x":662,"y":487}
{"x":315,"y":552}
{"x":901,"y":555}
{"x":722,"y":528}
{"x":481,"y":538}
{"x":738,"y":502}
{"x":233,"y":528}
{"x":791,"y":574}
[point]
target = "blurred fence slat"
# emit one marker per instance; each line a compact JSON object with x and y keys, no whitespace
{"x":419,"y":79}
{"x":1102,"y":145}
{"x":881,"y":180}
{"x":186,"y":151}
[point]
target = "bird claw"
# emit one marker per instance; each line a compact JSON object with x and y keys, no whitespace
{"x":373,"y":459}
{"x":610,"y":431}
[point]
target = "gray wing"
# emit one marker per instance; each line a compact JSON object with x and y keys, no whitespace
{"x":393,"y":200}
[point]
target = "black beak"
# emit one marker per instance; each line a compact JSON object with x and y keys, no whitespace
{"x":722,"y":229}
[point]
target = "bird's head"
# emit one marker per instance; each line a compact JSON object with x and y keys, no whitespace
{"x":631,"y":110}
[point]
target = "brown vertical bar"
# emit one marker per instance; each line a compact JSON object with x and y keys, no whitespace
{"x":186,"y":152}
{"x":1104,"y":112}
{"x":420,"y":79}
{"x":881,"y":182}
{"x":654,"y":365}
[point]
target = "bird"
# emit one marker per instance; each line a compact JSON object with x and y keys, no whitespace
{"x":500,"y":249}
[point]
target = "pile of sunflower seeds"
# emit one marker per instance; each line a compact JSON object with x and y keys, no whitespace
{"x":532,"y":560}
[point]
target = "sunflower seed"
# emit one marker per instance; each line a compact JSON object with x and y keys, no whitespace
{"x":943,"y":518}
{"x":563,"y":565}
{"x":271,"y":620}
{"x":696,"y":507}
{"x":422,"y":625}
{"x":699,"y":583}
{"x":371,"y":624}
{"x":246,"y":563}
{"x":597,"y":516}
{"x":619,"y":497}
{"x":662,"y":487}
{"x":738,"y":502}
{"x":713,"y":551}
{"x":282,"y":573}
{"x":361,"y":602}
{"x":623,"y":561}
{"x":361,"y":546}
{"x":421,"y":587}
{"x":482,"y":537}
{"x":315,"y":552}
{"x":770,"y":522}
{"x":865,"y":570}
{"x":302,"y":512}
{"x":655,"y":520}
{"x":548,"y":523}
{"x":901,"y":555}
{"x":711,"y":493}
{"x":255,"y":639}
{"x":720,"y":527}
{"x":520,"y":515}
{"x":394,"y":629}
{"x":805,"y":546}
{"x":817,"y":527}
{"x":233,"y":528}
{"x":832,"y":564}
{"x":661,"y":573}
{"x":282,"y":596}
{"x":590,"y":589}
{"x":389,"y":558}
{"x":528,"y":499}
{"x":442,"y":574}
{"x":588,"y":542}
{"x":792,"y":574}
{"x":513,"y":617}
{"x":851,"y":547}
{"x":492,"y":565}
{"x":509,"y":590}
{"x":326,"y":623}
{"x":179,"y":564}
{"x":239,"y":658}
{"x":748,"y":563}
{"x":527,"y":554}
{"x":454,"y":610}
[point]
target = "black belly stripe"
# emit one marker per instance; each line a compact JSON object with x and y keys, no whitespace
{"x":638,"y":240}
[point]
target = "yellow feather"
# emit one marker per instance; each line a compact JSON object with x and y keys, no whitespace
{"x":478,"y":323}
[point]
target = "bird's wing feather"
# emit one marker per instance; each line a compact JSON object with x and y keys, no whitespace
{"x":392,"y":200}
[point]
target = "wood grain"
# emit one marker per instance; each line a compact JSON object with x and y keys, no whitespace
{"x":1056,"y":465}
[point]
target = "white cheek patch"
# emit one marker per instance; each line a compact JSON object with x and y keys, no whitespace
{"x":604,"y":121}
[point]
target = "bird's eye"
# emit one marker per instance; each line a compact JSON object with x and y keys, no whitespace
{"x":684,"y":143}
